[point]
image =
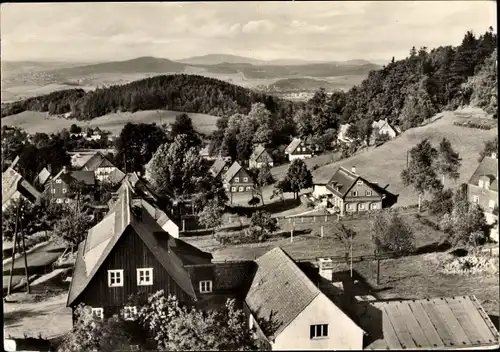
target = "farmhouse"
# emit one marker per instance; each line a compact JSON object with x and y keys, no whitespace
{"x":102,"y":167}
{"x":260,"y":157}
{"x":347,"y":191}
{"x":482,"y":189}
{"x":14,"y":186}
{"x":299,"y":149}
{"x":383,"y":127}
{"x":127,"y":253}
{"x":237,"y":179}
{"x":58,"y":187}
{"x":80,"y":157}
{"x":342,"y":134}
{"x":219,"y":167}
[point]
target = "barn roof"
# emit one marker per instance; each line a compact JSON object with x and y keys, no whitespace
{"x":343,"y":179}
{"x":257,"y":152}
{"x":86,"y":177}
{"x":96,"y":161}
{"x":43,"y":176}
{"x":487,"y":167}
{"x":438,"y":323}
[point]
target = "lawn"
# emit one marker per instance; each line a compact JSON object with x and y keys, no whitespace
{"x":33,"y":121}
{"x":307,"y":242}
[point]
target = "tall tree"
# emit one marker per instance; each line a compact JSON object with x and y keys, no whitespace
{"x":448,"y":161}
{"x":391,"y":234}
{"x":13,"y":140}
{"x":72,"y":229}
{"x":298,"y":177}
{"x":346,"y":235}
{"x":421,"y":174}
{"x":262,"y":178}
{"x":490,"y":147}
{"x":211,"y":216}
{"x":184,"y":125}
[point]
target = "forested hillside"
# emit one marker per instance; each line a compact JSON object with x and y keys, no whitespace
{"x":188,"y":93}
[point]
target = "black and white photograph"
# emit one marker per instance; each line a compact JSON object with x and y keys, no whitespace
{"x":249,"y":175}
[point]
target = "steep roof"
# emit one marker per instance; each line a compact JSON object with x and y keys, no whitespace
{"x":257,"y":152}
{"x":13,"y":182}
{"x":279,"y":291}
{"x":487,"y":167}
{"x":96,"y":161}
{"x":116,"y":176}
{"x":86,"y":177}
{"x":344,"y":179}
{"x":292,"y":146}
{"x":438,"y":323}
{"x":233,"y":170}
{"x":43,"y":176}
{"x":217,"y":167}
{"x":173,"y":254}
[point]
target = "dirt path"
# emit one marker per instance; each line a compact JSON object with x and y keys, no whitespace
{"x":50,"y":318}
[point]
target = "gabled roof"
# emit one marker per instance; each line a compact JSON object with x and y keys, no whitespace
{"x":173,"y":254}
{"x":279,"y":291}
{"x":86,"y":177}
{"x":438,"y":323}
{"x":487,"y":167}
{"x":344,"y":180}
{"x":292,"y":146}
{"x":116,"y":176}
{"x":257,"y":152}
{"x":217,"y":167}
{"x":233,"y":170}
{"x":13,"y":182}
{"x":96,"y":161}
{"x":43,"y":176}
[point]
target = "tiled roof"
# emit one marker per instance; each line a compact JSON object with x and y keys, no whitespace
{"x":344,"y":179}
{"x":96,"y":161}
{"x":257,"y":152}
{"x":279,"y":291}
{"x":173,"y":254}
{"x":217,"y":167}
{"x":43,"y":176}
{"x":116,"y":176}
{"x":487,"y":167}
{"x":292,"y":146}
{"x":233,"y":170}
{"x":438,"y":323}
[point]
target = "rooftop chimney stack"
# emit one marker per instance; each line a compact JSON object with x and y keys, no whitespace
{"x":325,"y":268}
{"x":353,"y":169}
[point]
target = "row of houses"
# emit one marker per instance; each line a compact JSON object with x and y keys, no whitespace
{"x":288,"y":306}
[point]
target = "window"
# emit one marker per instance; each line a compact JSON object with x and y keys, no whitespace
{"x":236,"y":179}
{"x":241,"y":189}
{"x":129,"y":312}
{"x":58,"y":181}
{"x":233,"y":189}
{"x":348,"y":206}
{"x":249,"y":188}
{"x":144,"y":277}
{"x":359,"y":182}
{"x":361,"y":207}
{"x":64,"y":190}
{"x":373,"y":206}
{"x":320,"y":330}
{"x":476,"y":199}
{"x":368,"y":193}
{"x":205,"y":286}
{"x":53,"y":190}
{"x":245,"y":179}
{"x":115,"y":278}
{"x":491,"y":203}
{"x":481,"y":183}
{"x":59,"y":200}
{"x":66,"y":200}
{"x":98,"y":312}
{"x":225,"y":168}
{"x":354,"y":194}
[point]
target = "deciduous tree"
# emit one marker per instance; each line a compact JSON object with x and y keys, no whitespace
{"x":298,"y":177}
{"x":448,"y":161}
{"x":391,"y":234}
{"x":212,"y":215}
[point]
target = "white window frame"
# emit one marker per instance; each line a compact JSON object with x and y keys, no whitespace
{"x":98,"y":312}
{"x":129,"y":312}
{"x":319,"y":331}
{"x":481,"y":184}
{"x":59,"y":200}
{"x":226,"y":168}
{"x":369,"y":193}
{"x":476,"y":199}
{"x":354,"y":194}
{"x":373,"y":206}
{"x":361,"y":206}
{"x":206,"y":286}
{"x":245,"y":179}
{"x":120,"y":275}
{"x":145,"y":272}
{"x":66,"y":200}
{"x":241,"y":189}
{"x":64,"y":190}
{"x":58,"y":181}
{"x":236,"y":179}
{"x":259,"y":164}
{"x":359,"y":182}
{"x":348,"y":206}
{"x":248,"y":188}
{"x":234,"y":189}
{"x":53,"y":190}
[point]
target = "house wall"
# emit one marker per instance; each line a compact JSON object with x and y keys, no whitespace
{"x":362,"y":201}
{"x":321,"y":190}
{"x":101,"y":173}
{"x":387,"y":130}
{"x":485,"y":195}
{"x":129,"y":254}
{"x":292,"y":157}
{"x":263,"y":159}
{"x":241,"y":175}
{"x":56,"y":190}
{"x":343,"y":333}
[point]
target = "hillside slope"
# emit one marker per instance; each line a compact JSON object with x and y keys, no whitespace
{"x":384,"y":164}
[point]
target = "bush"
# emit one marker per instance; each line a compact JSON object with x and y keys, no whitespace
{"x":470,"y":124}
{"x":442,"y":202}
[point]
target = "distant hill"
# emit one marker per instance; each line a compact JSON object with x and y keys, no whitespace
{"x":217,"y":59}
{"x":301,"y":84}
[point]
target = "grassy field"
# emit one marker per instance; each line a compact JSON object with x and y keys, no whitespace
{"x":33,"y":121}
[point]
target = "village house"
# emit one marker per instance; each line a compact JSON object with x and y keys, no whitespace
{"x":219,"y":167}
{"x":102,"y":167}
{"x":80,"y":157}
{"x":14,"y":186}
{"x":58,"y":188}
{"x":260,"y":157}
{"x":348,"y":192}
{"x":383,"y":127}
{"x":342,"y":134}
{"x":482,"y":189}
{"x":237,"y":180}
{"x":299,"y":149}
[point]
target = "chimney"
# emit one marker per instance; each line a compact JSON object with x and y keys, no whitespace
{"x":325,"y":268}
{"x":353,"y":169}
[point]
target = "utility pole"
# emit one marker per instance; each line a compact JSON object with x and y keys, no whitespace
{"x":13,"y":251}
{"x":351,"y":254}
{"x":25,"y":260}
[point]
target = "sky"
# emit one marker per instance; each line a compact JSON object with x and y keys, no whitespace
{"x":323,"y":31}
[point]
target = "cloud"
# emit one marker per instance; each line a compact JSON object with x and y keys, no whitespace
{"x":258,"y":26}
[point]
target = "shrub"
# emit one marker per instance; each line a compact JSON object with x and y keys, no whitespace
{"x":442,"y":202}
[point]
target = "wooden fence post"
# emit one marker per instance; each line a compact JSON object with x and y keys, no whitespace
{"x":321,"y":231}
{"x":183,"y":225}
{"x":302,"y":218}
{"x":326,"y":218}
{"x":314,"y":218}
{"x":378,"y":271}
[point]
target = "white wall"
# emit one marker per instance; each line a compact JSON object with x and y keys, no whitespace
{"x":292,"y":157}
{"x":320,"y":190}
{"x":343,"y":333}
